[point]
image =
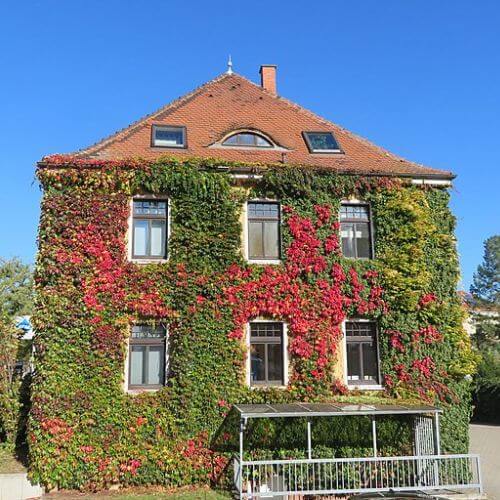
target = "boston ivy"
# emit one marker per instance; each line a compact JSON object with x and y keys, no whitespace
{"x":87,"y":432}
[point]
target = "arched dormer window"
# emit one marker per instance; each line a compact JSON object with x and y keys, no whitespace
{"x":247,"y":139}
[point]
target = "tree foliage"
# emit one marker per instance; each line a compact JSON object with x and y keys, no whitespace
{"x":486,"y":282}
{"x":16,"y":287}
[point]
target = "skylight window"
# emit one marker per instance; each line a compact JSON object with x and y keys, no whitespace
{"x":247,"y":139}
{"x":168,"y":137}
{"x":321,"y":142}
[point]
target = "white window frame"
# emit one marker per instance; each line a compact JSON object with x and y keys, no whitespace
{"x":371,"y":228}
{"x":274,"y":147}
{"x":130,"y":238}
{"x":319,"y":151}
{"x":245,"y":232}
{"x":359,"y":387}
{"x":285,"y":355}
{"x":136,"y":390}
{"x":181,"y":128}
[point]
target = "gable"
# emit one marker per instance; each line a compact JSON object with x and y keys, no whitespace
{"x":231,"y":102}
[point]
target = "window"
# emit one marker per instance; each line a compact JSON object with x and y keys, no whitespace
{"x":266,"y":354}
{"x":355,"y":231}
{"x":263,"y":230}
{"x":168,"y":137}
{"x":147,"y":351}
{"x":362,"y":353}
{"x":321,"y":142}
{"x":247,"y":139}
{"x":149,"y":239}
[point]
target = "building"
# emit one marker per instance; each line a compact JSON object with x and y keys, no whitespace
{"x":233,"y":248}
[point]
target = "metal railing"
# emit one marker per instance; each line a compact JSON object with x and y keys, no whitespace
{"x":268,"y":478}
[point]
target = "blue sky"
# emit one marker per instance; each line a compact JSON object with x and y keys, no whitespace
{"x":419,"y":77}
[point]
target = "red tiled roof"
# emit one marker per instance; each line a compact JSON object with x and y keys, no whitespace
{"x":231,"y":102}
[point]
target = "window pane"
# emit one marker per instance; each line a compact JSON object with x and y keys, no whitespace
{"x":158,"y":238}
{"x":263,"y":210}
{"x":363,"y":240}
{"x":169,"y":136}
{"x":233,"y":140}
{"x":360,"y":329}
{"x":353,"y":212}
{"x":140,"y":237}
{"x":136,"y":365}
{"x":155,"y":365}
{"x":148,"y":332}
{"x":353,"y":366}
{"x":322,"y":141}
{"x":255,"y":242}
{"x":149,"y":207}
{"x":246,"y":139}
{"x":271,"y":240}
{"x":262,"y":142}
{"x":275,"y":362}
{"x":347,"y":236}
{"x":261,"y":329}
{"x":370,"y":372}
{"x":257,"y":362}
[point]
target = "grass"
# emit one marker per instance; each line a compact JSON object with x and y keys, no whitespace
{"x":8,"y":462}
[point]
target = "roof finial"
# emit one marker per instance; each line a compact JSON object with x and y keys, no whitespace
{"x":229,"y":66}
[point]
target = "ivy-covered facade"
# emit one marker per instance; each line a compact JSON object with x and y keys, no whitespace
{"x":138,"y":360}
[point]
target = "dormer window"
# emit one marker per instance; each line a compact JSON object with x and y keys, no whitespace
{"x":321,"y":142}
{"x":247,"y":140}
{"x":168,"y":136}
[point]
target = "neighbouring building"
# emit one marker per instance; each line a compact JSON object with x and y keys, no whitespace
{"x":235,"y":265}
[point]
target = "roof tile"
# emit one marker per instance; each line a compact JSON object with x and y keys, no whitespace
{"x":231,"y":102}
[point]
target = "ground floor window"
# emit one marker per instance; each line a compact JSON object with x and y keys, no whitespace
{"x":147,"y":352}
{"x":267,"y":353}
{"x":362,"y":353}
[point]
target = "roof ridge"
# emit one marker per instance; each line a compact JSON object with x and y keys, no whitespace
{"x":176,"y":102}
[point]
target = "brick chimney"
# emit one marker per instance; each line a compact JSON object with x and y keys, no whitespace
{"x":268,"y":77}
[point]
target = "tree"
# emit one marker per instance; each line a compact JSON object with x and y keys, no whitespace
{"x":16,"y":298}
{"x":16,"y":287}
{"x":10,"y":385}
{"x":486,"y":282}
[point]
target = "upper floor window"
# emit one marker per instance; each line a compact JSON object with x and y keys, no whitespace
{"x":263,"y":230}
{"x":168,"y":137}
{"x":147,"y":355}
{"x":355,"y":231}
{"x":149,"y":229}
{"x":362,"y":353}
{"x":266,"y":354}
{"x":321,"y":142}
{"x":248,"y":139}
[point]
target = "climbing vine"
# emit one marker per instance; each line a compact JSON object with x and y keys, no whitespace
{"x":87,"y":432}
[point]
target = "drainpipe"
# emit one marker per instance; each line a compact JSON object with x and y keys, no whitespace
{"x":374,"y":436}
{"x":309,"y":450}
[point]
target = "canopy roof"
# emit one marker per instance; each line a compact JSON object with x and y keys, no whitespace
{"x":329,"y":410}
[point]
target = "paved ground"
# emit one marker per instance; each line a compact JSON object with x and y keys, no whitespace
{"x":485,"y":440}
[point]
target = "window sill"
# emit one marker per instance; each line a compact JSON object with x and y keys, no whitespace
{"x":135,"y":392}
{"x":365,"y":387}
{"x":326,"y":151}
{"x":160,"y":146}
{"x":260,"y":387}
{"x":149,"y":261}
{"x":263,"y":262}
{"x":358,"y":258}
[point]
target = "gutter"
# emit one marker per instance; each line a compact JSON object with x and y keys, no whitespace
{"x":255,"y":172}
